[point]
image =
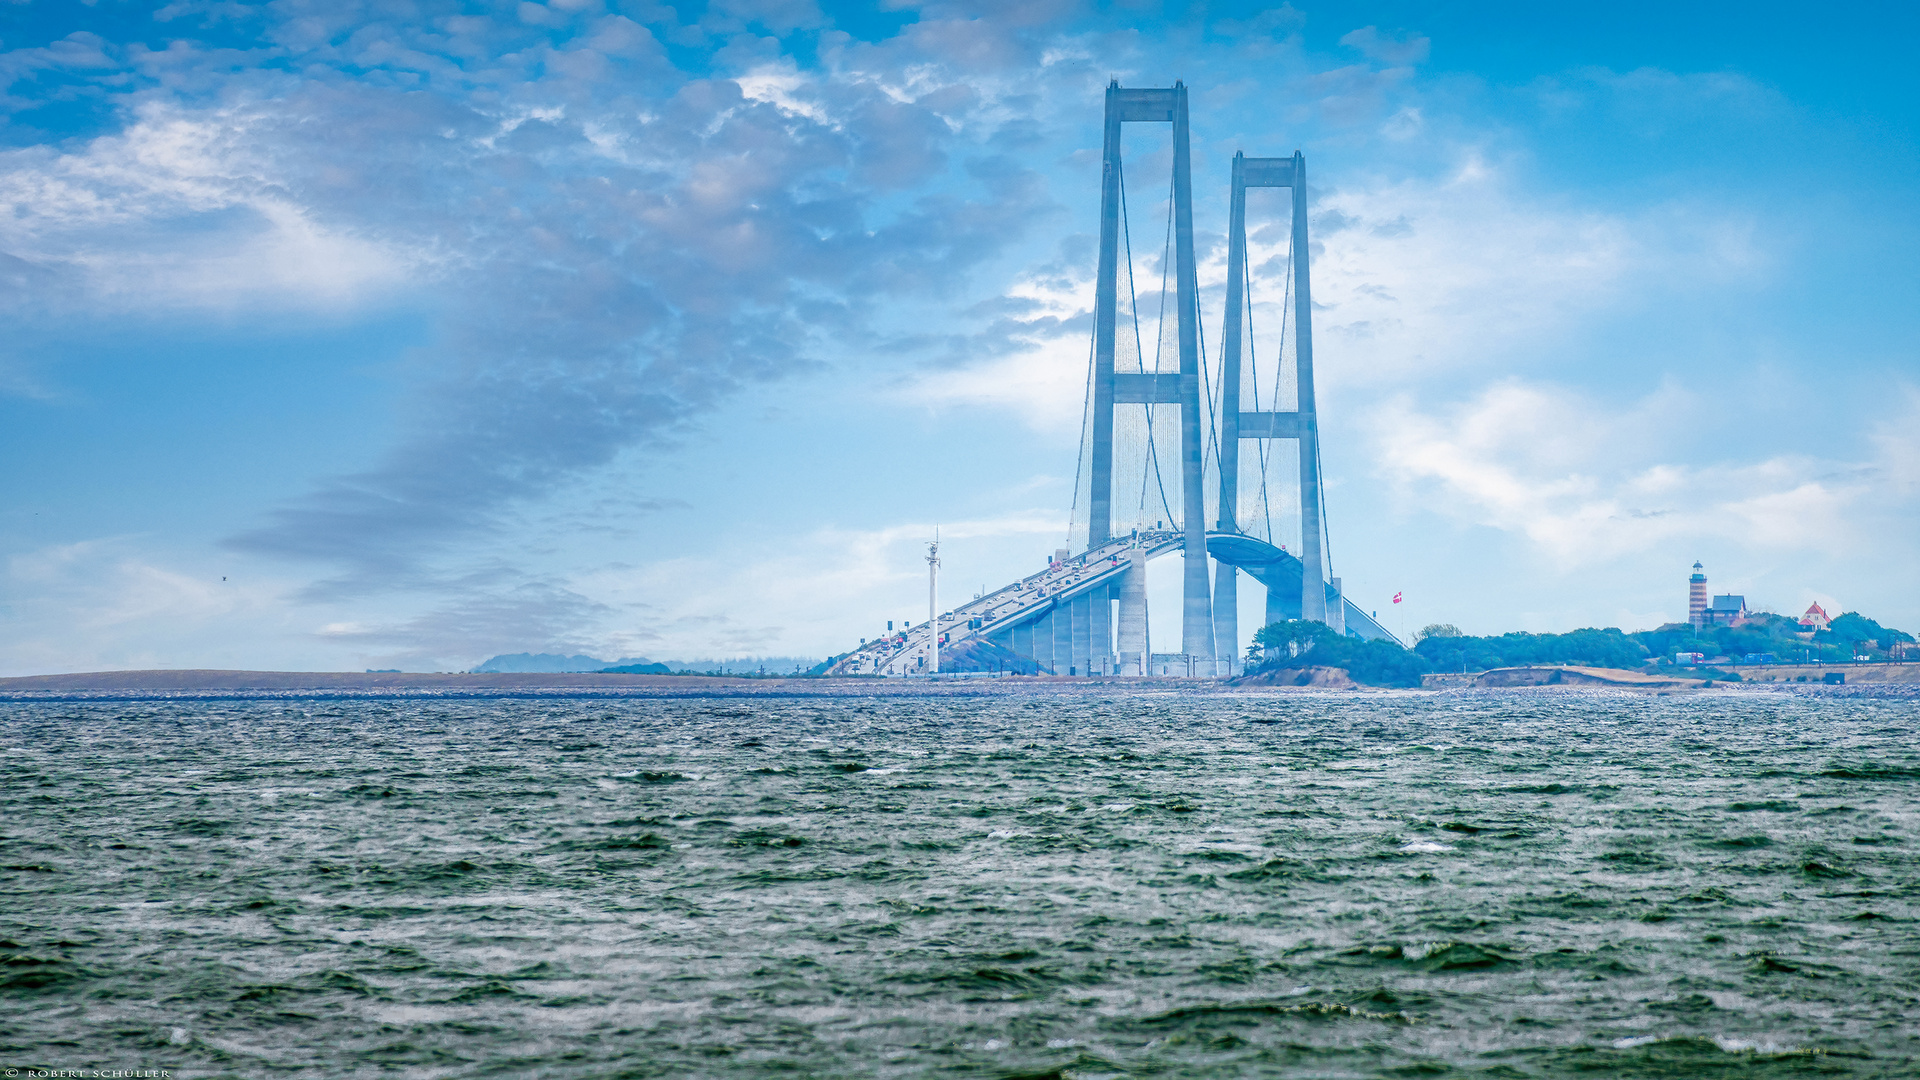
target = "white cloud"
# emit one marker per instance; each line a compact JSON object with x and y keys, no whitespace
{"x":1897,"y":440}
{"x":1035,"y":369}
{"x":1420,"y":277}
{"x":778,"y":85}
{"x":1571,"y":476}
{"x":619,"y":247}
{"x":107,"y":603}
{"x":1414,"y":279}
{"x":1397,"y":47}
{"x":1045,"y":386}
{"x":186,"y":211}
{"x":824,"y":589}
{"x":112,"y":604}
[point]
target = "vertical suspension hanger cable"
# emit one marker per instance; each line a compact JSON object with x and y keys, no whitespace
{"x":1253,"y":366}
{"x":1253,"y":361}
{"x":1159,"y":345}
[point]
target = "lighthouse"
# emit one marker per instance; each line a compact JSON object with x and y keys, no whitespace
{"x":1697,"y":598}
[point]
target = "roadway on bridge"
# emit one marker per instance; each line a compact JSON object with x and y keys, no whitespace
{"x":1031,"y":598}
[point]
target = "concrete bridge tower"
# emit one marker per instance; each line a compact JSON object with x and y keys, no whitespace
{"x":1302,"y":424}
{"x":1157,"y":106}
{"x":1061,"y":620}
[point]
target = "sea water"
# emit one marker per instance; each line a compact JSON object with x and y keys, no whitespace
{"x":1513,"y":883}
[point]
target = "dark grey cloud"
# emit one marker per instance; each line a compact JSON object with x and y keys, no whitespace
{"x":611,"y":247}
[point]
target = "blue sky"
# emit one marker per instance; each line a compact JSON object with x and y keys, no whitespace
{"x":403,"y":334}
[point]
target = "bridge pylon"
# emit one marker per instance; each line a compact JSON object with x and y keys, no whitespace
{"x":1060,"y":620}
{"x":1301,"y":424}
{"x":1111,"y":388}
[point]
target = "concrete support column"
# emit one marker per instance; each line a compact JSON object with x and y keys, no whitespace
{"x":1230,"y":350}
{"x":1277,"y":605}
{"x":1100,"y":631}
{"x":1313,"y":593}
{"x":1106,"y":306}
{"x":1081,"y":609}
{"x":1226,"y":579}
{"x":1226,"y":614}
{"x":1132,"y":636}
{"x":1042,"y":639}
{"x":1062,"y":638}
{"x":1196,"y":593}
{"x":1020,"y":640}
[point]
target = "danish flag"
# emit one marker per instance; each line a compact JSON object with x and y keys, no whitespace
{"x":1396,"y":598}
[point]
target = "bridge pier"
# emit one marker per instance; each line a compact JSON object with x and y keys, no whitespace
{"x":1062,"y":619}
{"x":1100,"y":632}
{"x":1133,"y":615}
{"x":1281,"y":606}
{"x":1080,"y":611}
{"x":1226,"y":614}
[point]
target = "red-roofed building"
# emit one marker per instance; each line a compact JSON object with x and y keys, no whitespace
{"x":1816,"y":618}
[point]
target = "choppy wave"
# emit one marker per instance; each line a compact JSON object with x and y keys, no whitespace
{"x":1504,"y":884}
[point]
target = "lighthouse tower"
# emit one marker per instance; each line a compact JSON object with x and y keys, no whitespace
{"x":1697,"y":598}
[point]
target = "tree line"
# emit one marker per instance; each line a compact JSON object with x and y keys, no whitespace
{"x":1441,"y":647}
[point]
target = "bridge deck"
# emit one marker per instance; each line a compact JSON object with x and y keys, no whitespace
{"x":1033,"y":598}
{"x":1023,"y":601}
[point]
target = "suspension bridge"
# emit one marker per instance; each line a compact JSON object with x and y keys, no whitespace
{"x":1216,"y":459}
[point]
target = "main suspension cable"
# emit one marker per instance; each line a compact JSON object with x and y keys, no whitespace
{"x":1086,"y":414}
{"x":1208,"y":390}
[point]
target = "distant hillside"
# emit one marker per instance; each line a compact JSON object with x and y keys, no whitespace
{"x":552,"y":662}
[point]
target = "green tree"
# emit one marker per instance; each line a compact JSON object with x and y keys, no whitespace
{"x":1853,"y":628}
{"x":1300,"y":643}
{"x":1438,"y":630}
{"x":1294,"y":637}
{"x":1598,"y":648}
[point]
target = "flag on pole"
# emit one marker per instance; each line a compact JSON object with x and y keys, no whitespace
{"x":1396,"y":598}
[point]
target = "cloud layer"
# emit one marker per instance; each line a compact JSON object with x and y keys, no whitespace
{"x":609,"y":246}
{"x":621,"y":222}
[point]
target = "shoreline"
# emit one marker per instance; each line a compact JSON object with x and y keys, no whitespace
{"x":183,"y":684}
{"x":214,"y":684}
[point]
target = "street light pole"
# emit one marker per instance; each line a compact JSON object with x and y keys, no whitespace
{"x":933,"y":603}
